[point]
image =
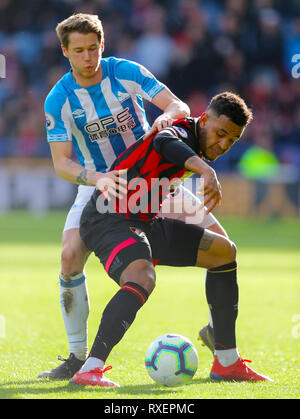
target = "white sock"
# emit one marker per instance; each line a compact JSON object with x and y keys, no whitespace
{"x":75,"y":309}
{"x":227,"y":357}
{"x":92,"y":363}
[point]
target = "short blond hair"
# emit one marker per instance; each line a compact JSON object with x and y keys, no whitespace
{"x":82,"y":23}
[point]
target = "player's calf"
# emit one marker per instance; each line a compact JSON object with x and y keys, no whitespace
{"x":137,"y":282}
{"x":221,"y":291}
{"x":117,"y":317}
{"x":73,"y":292}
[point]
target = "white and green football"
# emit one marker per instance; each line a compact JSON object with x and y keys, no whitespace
{"x":171,"y":360}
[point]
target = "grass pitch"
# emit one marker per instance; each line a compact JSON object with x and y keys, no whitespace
{"x":32,"y":332}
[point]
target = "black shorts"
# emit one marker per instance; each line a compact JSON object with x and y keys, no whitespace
{"x":117,"y":241}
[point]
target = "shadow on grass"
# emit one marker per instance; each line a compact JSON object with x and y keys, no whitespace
{"x":19,"y":389}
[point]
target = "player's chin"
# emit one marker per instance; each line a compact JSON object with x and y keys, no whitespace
{"x":213,"y":156}
{"x":88,"y":72}
{"x":210,"y":158}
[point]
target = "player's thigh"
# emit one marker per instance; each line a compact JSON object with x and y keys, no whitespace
{"x":116,"y":242}
{"x":74,"y":252}
{"x":73,"y":217}
{"x":174,"y":243}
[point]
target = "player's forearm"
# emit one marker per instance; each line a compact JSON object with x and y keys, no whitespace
{"x":177,"y":109}
{"x":69,"y":170}
{"x":197,"y":165}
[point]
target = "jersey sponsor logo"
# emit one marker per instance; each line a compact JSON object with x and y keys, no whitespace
{"x":78,"y":113}
{"x":50,"y":121}
{"x":100,"y":128}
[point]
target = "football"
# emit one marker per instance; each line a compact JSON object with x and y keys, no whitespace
{"x":171,"y":360}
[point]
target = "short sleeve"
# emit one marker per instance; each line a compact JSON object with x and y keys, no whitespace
{"x":172,"y":146}
{"x":142,"y":80}
{"x":57,"y":122}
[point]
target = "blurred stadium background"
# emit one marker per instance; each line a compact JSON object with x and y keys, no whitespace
{"x":198,"y":48}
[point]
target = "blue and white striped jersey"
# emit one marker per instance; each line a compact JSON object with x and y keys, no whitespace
{"x":104,"y":119}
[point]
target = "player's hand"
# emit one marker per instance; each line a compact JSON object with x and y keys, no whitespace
{"x":113,"y":184}
{"x":212,"y":190}
{"x":163,"y":121}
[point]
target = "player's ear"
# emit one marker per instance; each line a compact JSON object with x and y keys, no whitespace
{"x":203,"y":119}
{"x":102,"y":46}
{"x":64,"y":51}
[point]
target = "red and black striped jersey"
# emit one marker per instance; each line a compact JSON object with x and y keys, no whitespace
{"x":153,"y":165}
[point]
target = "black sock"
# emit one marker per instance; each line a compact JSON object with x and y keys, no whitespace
{"x":222,"y":298}
{"x":118,"y":315}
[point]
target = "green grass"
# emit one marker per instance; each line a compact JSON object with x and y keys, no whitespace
{"x":269,"y":266}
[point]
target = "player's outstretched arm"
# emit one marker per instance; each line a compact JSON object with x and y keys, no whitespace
{"x":109,"y":183}
{"x":173,"y":109}
{"x":67,"y":168}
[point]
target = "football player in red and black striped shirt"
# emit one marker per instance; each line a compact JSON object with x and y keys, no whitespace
{"x":129,"y":240}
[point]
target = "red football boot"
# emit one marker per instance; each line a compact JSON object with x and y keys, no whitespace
{"x":94,"y":377}
{"x":238,"y":371}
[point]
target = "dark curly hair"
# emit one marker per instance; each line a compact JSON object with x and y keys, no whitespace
{"x":233,"y":106}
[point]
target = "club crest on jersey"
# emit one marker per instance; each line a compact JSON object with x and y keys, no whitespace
{"x":137,"y":231}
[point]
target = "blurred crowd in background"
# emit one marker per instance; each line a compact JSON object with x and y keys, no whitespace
{"x":197,"y":47}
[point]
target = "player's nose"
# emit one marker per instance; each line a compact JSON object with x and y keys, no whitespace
{"x":86,"y":55}
{"x":224,"y":144}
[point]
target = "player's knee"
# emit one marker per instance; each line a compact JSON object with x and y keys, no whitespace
{"x":228,"y":253}
{"x":67,"y":255}
{"x":145,"y":276}
{"x":141,"y":272}
{"x":233,"y":250}
{"x":69,"y":260}
{"x":150,"y":280}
